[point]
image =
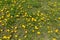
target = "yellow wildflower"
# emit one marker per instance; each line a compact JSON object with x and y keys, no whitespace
{"x":42,"y":14}
{"x":54,"y":39}
{"x":36,"y":27}
{"x":16,"y":35}
{"x":25,"y":14}
{"x":2,"y":10}
{"x":25,"y":36}
{"x":50,"y":31}
{"x":4,"y":37}
{"x":11,"y":16}
{"x":43,"y":18}
{"x":7,"y":30}
{"x":8,"y":15}
{"x":58,"y":18}
{"x":12,"y":31}
{"x":9,"y":36}
{"x":56,"y":30}
{"x":2,"y":17}
{"x":0,"y":39}
{"x":5,"y":19}
{"x":23,"y":1}
{"x":25,"y":31}
{"x":38,"y":14}
{"x":0,"y":20}
{"x":38,"y":33}
{"x":16,"y":27}
{"x":29,"y":6}
{"x":33,"y":19}
{"x":19,"y":39}
{"x":7,"y":11}
{"x":1,"y":30}
{"x":15,"y":31}
{"x":33,"y":31}
{"x":14,"y":1}
{"x":17,"y":15}
{"x":23,"y":26}
{"x":3,"y":24}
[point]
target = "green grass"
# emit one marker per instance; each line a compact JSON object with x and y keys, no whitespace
{"x":29,"y":19}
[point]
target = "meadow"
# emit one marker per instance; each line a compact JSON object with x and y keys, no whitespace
{"x":29,"y":19}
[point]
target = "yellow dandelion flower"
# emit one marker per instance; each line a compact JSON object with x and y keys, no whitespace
{"x":1,"y":30}
{"x":58,"y":18}
{"x":56,"y":30}
{"x":9,"y":36}
{"x":42,"y":18}
{"x":2,"y":10}
{"x":16,"y":35}
{"x":36,"y":27}
{"x":25,"y":31}
{"x":19,"y":39}
{"x":54,"y":39}
{"x":0,"y":39}
{"x":25,"y":14}
{"x":33,"y":19}
{"x":23,"y":26}
{"x":7,"y":30}
{"x":0,"y":20}
{"x":50,"y":31}
{"x":15,"y":31}
{"x":17,"y":15}
{"x":5,"y":19}
{"x":29,"y":6}
{"x":33,"y":30}
{"x":12,"y":31}
{"x":16,"y":27}
{"x":38,"y":14}
{"x":11,"y":16}
{"x":42,"y":14}
{"x":54,"y":5}
{"x":2,"y":17}
{"x":19,"y":5}
{"x":3,"y":24}
{"x":23,"y":1}
{"x":7,"y":11}
{"x":4,"y":37}
{"x":25,"y":36}
{"x":14,"y":1}
{"x":38,"y":33}
{"x":8,"y":15}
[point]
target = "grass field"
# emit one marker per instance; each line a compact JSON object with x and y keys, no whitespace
{"x":29,"y":19}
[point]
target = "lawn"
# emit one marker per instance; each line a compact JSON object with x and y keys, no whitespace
{"x":29,"y":19}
